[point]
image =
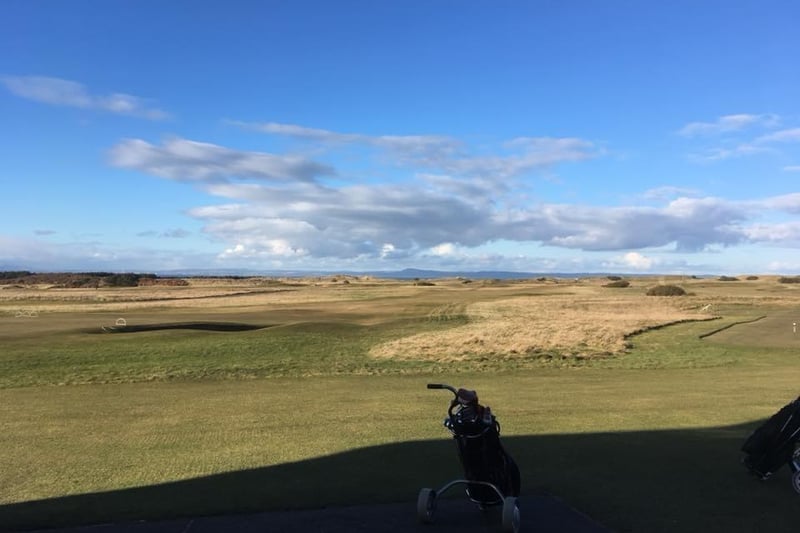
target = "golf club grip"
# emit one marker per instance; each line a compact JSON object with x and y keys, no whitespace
{"x":435,"y":386}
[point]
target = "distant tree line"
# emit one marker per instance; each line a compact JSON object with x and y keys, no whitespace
{"x":13,"y":274}
{"x":114,"y":275}
{"x":77,"y":279}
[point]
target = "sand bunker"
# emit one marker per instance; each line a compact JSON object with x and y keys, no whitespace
{"x":204,"y":326}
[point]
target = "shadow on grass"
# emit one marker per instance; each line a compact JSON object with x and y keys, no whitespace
{"x":201,"y":326}
{"x":654,"y":481}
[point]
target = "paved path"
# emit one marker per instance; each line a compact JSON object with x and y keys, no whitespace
{"x":541,"y":513}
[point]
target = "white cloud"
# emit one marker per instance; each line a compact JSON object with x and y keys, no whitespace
{"x":176,"y":233}
{"x":637,"y":261}
{"x":186,"y":160}
{"x":791,"y":168}
{"x":669,"y":192}
{"x":728,"y":123}
{"x":632,"y":261}
{"x":688,"y":224}
{"x":783,"y":267}
{"x":45,"y":255}
{"x":360,"y":221}
{"x":447,"y":154}
{"x":444,"y":249}
{"x":787,"y":203}
{"x":288,"y":214}
{"x":782,"y":136}
{"x":740,"y":150}
{"x":342,"y":222}
{"x":735,"y":146}
{"x":783,"y":233}
{"x":262,"y":249}
{"x":402,"y":144}
{"x":533,"y":153}
{"x":57,"y":91}
{"x":387,"y":250}
{"x":237,"y":251}
{"x":292,"y":130}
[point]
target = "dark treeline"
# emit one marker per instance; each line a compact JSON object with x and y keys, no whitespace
{"x":13,"y":274}
{"x":77,"y":279}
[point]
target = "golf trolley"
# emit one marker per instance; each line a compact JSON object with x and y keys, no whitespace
{"x":775,"y":443}
{"x":491,"y":477}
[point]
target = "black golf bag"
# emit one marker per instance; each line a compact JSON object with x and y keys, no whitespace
{"x":483,"y":458}
{"x":491,"y":476}
{"x":774,"y":443}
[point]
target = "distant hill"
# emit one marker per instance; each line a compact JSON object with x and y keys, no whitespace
{"x":94,"y":279}
{"x":407,"y":273}
{"x":412,"y":273}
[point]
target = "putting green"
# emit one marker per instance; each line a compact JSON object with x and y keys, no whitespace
{"x":778,"y":329}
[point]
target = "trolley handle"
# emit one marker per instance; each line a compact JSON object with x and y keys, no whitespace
{"x":443,"y":386}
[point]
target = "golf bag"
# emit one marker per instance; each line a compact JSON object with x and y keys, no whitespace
{"x":491,"y":476}
{"x":773,"y":444}
{"x":483,"y":458}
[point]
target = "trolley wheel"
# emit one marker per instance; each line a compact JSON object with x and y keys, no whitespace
{"x":511,"y":518}
{"x":426,"y":505}
{"x":796,"y":481}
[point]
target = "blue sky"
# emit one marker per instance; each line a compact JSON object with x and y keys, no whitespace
{"x":542,"y":136}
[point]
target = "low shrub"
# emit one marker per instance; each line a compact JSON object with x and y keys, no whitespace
{"x":789,"y":279}
{"x":618,"y":284}
{"x":727,"y":278}
{"x":614,"y":278}
{"x":751,"y":278}
{"x":666,"y":290}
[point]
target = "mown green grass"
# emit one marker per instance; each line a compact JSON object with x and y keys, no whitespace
{"x":306,"y":349}
{"x":303,"y":349}
{"x":184,"y":423}
{"x":609,"y":441}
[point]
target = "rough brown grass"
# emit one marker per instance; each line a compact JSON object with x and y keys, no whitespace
{"x":201,"y":294}
{"x":546,"y":325}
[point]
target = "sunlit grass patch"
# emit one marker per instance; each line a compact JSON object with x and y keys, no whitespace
{"x":576,"y":326}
